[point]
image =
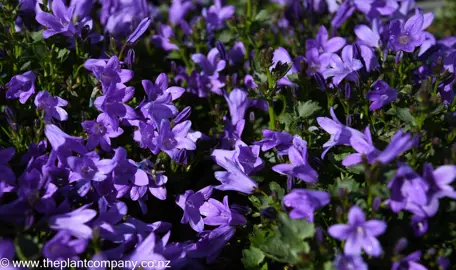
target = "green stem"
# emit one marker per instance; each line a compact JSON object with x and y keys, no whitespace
{"x":272,"y":116}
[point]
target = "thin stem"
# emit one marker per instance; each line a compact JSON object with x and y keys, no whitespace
{"x":272,"y":116}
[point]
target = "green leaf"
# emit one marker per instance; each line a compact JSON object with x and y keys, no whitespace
{"x":37,"y":36}
{"x":328,"y":266}
{"x":226,"y":36}
{"x":295,"y":229}
{"x":252,"y":257}
{"x":263,"y":16}
{"x":174,"y":55}
{"x":273,"y":186}
{"x":405,"y":115}
{"x":308,"y":108}
{"x":63,"y":54}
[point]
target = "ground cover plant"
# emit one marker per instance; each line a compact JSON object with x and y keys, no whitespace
{"x":313,"y":134}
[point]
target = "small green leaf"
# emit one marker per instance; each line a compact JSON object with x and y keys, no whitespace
{"x":308,"y":108}
{"x":252,"y":257}
{"x":273,"y":186}
{"x":328,"y":266}
{"x":263,"y":16}
{"x":37,"y":36}
{"x":225,"y":36}
{"x":174,"y":55}
{"x":62,"y":54}
{"x":405,"y":115}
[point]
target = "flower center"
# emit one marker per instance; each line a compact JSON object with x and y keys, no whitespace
{"x":190,"y":204}
{"x":384,"y":97}
{"x":99,"y":129}
{"x":169,"y":143}
{"x":404,"y":39}
{"x":87,"y":171}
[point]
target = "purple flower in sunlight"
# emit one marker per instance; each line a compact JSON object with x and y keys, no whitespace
{"x":344,"y":11}
{"x":368,"y":56}
{"x":217,"y":14}
{"x":368,"y":36}
{"x":304,"y":202}
{"x":419,"y":225}
{"x":316,"y":62}
{"x":7,"y":174}
{"x":246,"y":157}
{"x":406,"y":37}
{"x":350,"y":262}
{"x":406,"y":188}
{"x":82,"y":8}
{"x":113,"y":107}
{"x":62,"y":247}
{"x":100,"y":133}
{"x":359,"y":233}
{"x":163,"y":39}
{"x":21,"y":86}
{"x":400,"y":143}
{"x":210,"y":65}
{"x":282,"y":141}
{"x":237,"y":53}
{"x":178,"y":10}
{"x":364,"y":146}
{"x":62,"y":143}
{"x":409,"y":262}
{"x":381,"y":94}
{"x":108,"y":72}
{"x":51,"y":106}
{"x":231,"y":133}
{"x":299,"y":166}
{"x":146,"y":135}
{"x":139,"y":31}
{"x":238,"y":104}
{"x":126,"y":171}
{"x":191,"y":202}
{"x":74,"y":222}
{"x":282,"y":55}
{"x":171,"y":140}
{"x":145,"y":251}
{"x":89,"y":167}
{"x":217,"y":213}
{"x":323,"y":44}
{"x":60,"y":22}
{"x":340,"y":134}
{"x":234,"y":178}
{"x":345,"y":67}
{"x":439,"y":180}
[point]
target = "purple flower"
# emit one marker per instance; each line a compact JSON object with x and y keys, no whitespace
{"x":407,"y":187}
{"x":100,"y":133}
{"x":323,"y":44}
{"x":74,"y":222}
{"x":121,"y":17}
{"x":89,"y":167}
{"x":139,"y":31}
{"x":217,"y":15}
{"x":113,"y":107}
{"x":245,"y":157}
{"x":163,"y":39}
{"x":304,"y":203}
{"x":210,"y":65}
{"x":282,"y":55}
{"x":21,"y":86}
{"x":60,"y":22}
{"x":340,"y":134}
{"x":343,"y":68}
{"x":108,"y":72}
{"x":381,"y":95}
{"x":299,"y":166}
{"x":364,"y":146}
{"x":126,"y":170}
{"x":191,"y":203}
{"x":238,"y":104}
{"x":316,"y":62}
{"x":7,"y":174}
{"x":146,"y":136}
{"x":178,"y":10}
{"x":409,"y":262}
{"x":350,"y":262}
{"x":62,"y":143}
{"x":211,"y":243}
{"x":170,"y":140}
{"x":400,"y":143}
{"x":62,"y":247}
{"x":217,"y":213}
{"x":82,"y":8}
{"x":51,"y":106}
{"x":344,"y":11}
{"x":367,"y":36}
{"x":439,"y":180}
{"x":359,"y":233}
{"x":234,"y":178}
{"x":145,"y":251}
{"x":406,"y":37}
{"x":231,"y":133}
{"x":282,"y":141}
{"x":237,"y":53}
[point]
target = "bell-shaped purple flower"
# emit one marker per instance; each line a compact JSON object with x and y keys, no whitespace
{"x":359,"y":234}
{"x":58,"y":23}
{"x":368,"y":36}
{"x":126,"y":171}
{"x":21,"y":86}
{"x":108,"y":72}
{"x":211,"y":243}
{"x":89,"y":167}
{"x":299,"y":166}
{"x":191,"y":203}
{"x":346,"y":262}
{"x":170,"y":140}
{"x":100,"y":133}
{"x":178,"y":10}
{"x":282,"y":141}
{"x":62,"y":143}
{"x":163,"y":39}
{"x":146,"y":136}
{"x":51,"y":106}
{"x":304,"y":203}
{"x":409,"y":262}
{"x":381,"y":95}
{"x":139,"y":31}
{"x":74,"y":222}
{"x":323,"y":44}
{"x":246,"y":157}
{"x":345,"y":67}
{"x":217,"y":15}
{"x":217,"y":213}
{"x":210,"y":64}
{"x":234,"y":178}
{"x":406,"y":37}
{"x":439,"y":180}
{"x":62,"y":246}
